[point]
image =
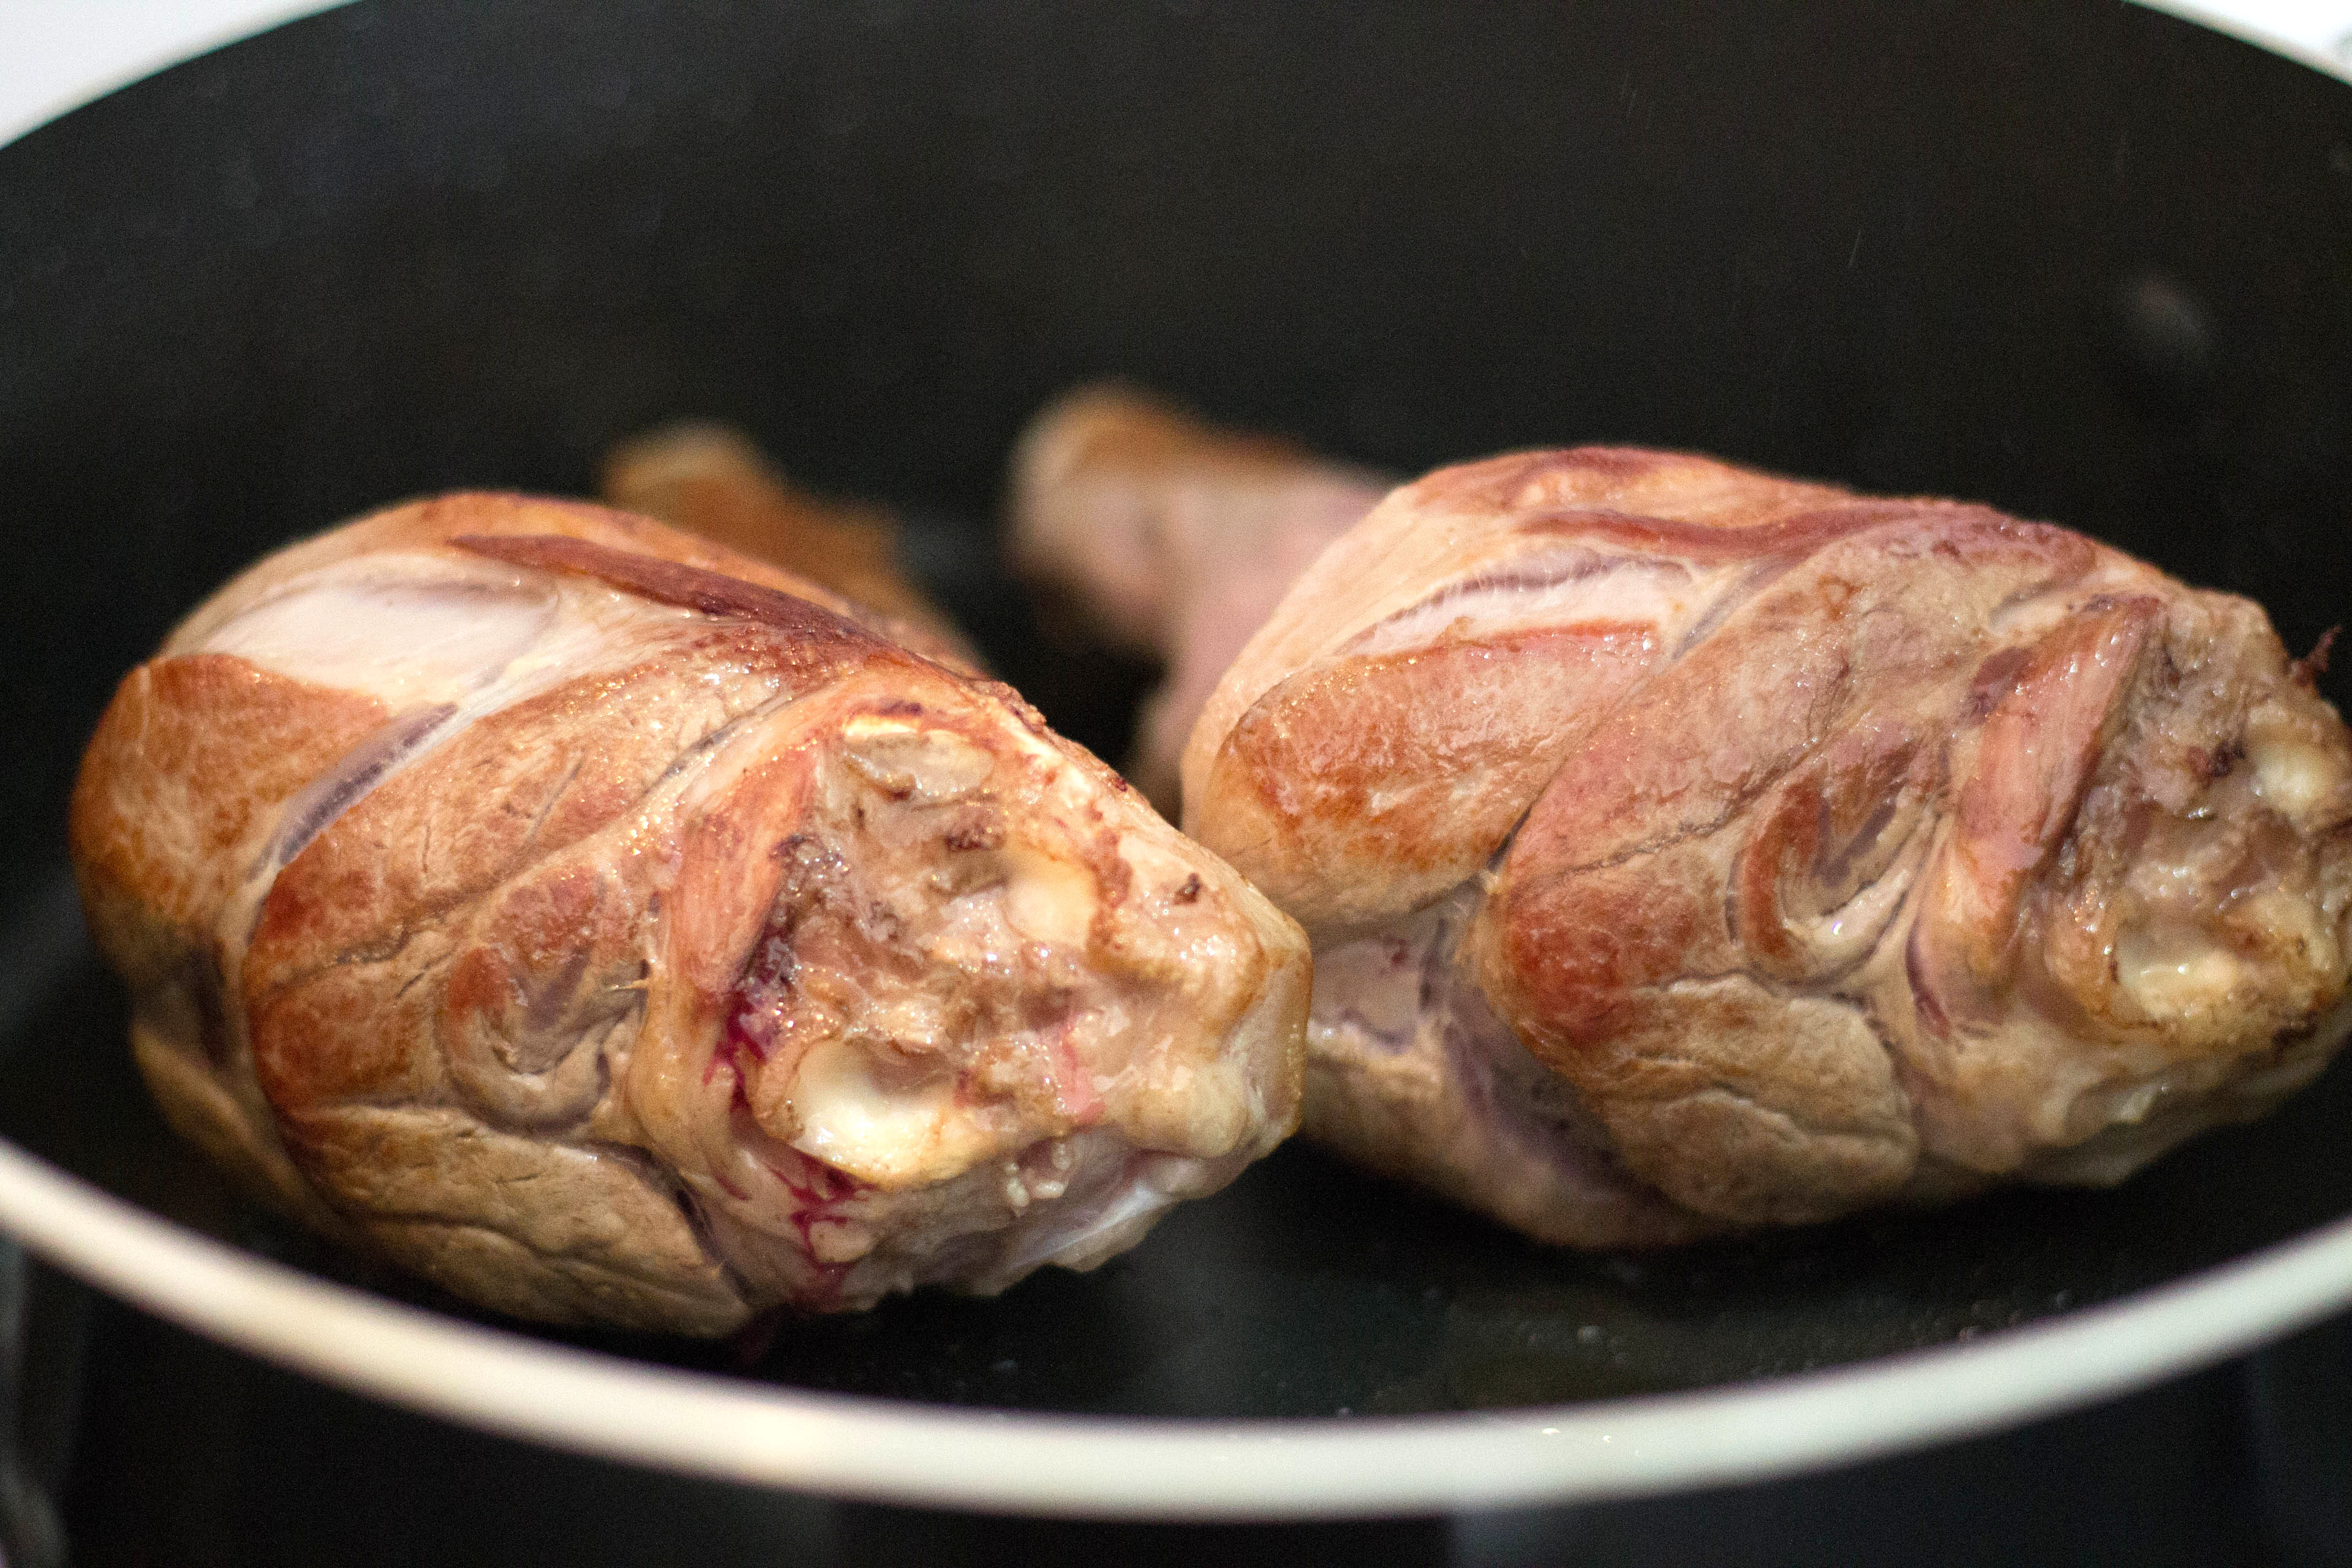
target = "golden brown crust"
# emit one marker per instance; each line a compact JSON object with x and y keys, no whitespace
{"x":189,"y":759}
{"x":1413,"y":762}
{"x":422,"y":842}
{"x":184,"y":780}
{"x":1409,"y":804}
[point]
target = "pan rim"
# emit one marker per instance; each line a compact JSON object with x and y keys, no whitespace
{"x":2213,"y":19}
{"x":883,"y":1450}
{"x":165,"y":42}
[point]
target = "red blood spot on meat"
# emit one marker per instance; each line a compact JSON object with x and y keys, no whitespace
{"x":818,"y":1192}
{"x":813,"y":1184}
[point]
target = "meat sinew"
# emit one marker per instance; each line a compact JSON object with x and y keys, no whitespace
{"x":616,"y":929}
{"x":1688,"y":849}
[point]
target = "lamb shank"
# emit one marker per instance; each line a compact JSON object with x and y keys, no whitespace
{"x":614,"y":928}
{"x":1686,"y":848}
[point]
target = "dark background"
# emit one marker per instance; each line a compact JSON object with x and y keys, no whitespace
{"x":2078,"y":260}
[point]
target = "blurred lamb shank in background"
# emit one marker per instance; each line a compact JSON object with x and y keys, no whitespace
{"x":713,"y":480}
{"x":1171,"y":538}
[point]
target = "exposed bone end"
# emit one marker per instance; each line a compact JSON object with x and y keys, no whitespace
{"x":2175,"y":953}
{"x":973,"y":1008}
{"x":1936,"y":848}
{"x":2141,"y":1120}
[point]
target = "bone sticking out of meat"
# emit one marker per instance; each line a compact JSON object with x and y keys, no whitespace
{"x":713,"y":480}
{"x":1173,"y":538}
{"x":612,"y":929}
{"x":1686,"y":848}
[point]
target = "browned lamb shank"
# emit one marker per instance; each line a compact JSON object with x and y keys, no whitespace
{"x":1687,"y":848}
{"x":612,"y":929}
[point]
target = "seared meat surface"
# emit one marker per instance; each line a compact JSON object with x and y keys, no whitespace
{"x":1685,"y":847}
{"x":612,"y":929}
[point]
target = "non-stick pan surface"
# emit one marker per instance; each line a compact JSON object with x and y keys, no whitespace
{"x":2083,"y":260}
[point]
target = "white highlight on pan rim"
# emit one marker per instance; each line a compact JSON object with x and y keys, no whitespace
{"x":64,"y":55}
{"x":894,"y":1451}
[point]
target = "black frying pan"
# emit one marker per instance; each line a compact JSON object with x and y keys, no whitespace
{"x":2084,"y":261}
